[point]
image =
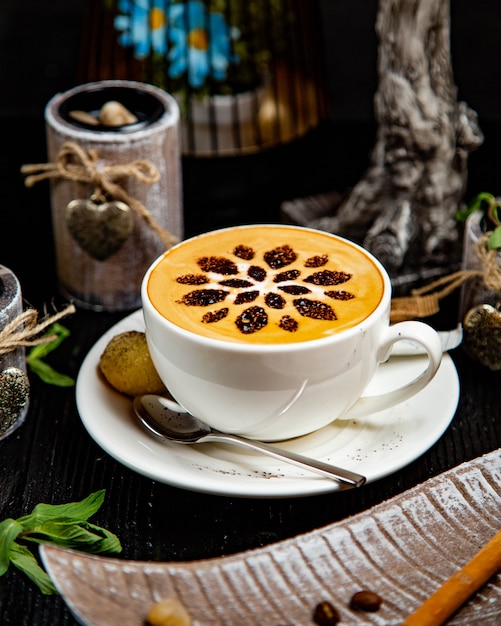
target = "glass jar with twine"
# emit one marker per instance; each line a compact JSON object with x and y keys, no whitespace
{"x":479,"y":280}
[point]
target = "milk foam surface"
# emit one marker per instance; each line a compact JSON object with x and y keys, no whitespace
{"x":265,"y":284}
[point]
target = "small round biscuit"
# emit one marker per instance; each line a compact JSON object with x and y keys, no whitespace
{"x":127,"y":366}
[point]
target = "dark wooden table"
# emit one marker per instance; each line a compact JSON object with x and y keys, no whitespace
{"x":51,"y":458}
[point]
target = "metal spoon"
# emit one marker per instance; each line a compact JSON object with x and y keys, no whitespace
{"x":166,"y":420}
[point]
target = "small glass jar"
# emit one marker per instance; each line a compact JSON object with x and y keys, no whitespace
{"x":112,"y":281}
{"x":480,"y":305}
{"x":14,"y":382}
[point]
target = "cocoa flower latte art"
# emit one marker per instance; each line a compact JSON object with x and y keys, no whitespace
{"x":265,"y":284}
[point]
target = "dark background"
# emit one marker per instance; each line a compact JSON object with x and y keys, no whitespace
{"x":51,"y":458}
{"x":40,"y":43}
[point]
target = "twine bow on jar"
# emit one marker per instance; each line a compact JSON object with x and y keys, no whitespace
{"x":425,"y":301}
{"x":22,"y":331}
{"x":25,"y":329}
{"x":76,"y":164}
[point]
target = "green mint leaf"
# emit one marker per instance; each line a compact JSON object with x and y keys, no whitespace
{"x":35,"y":357}
{"x":60,"y":524}
{"x":22,"y":558}
{"x":494,"y":241}
{"x":70,"y":512}
{"x":9,"y":531}
{"x":475,"y":205}
{"x":49,"y":375}
{"x":82,"y":536}
{"x":103,"y":541}
{"x":43,"y":349}
{"x":109,"y":543}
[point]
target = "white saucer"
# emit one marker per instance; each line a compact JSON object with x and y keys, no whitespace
{"x":375,"y":446}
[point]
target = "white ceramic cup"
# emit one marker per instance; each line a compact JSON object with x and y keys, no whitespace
{"x":280,"y":391}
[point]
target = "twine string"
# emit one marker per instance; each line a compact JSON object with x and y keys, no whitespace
{"x":425,"y":301}
{"x":75,"y":163}
{"x":490,"y":273}
{"x":25,"y":328}
{"x":489,"y":259}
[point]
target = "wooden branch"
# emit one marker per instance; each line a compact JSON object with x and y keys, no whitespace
{"x":459,"y":587}
{"x":405,"y":203}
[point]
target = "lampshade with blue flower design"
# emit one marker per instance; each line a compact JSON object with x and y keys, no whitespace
{"x":247,"y":74}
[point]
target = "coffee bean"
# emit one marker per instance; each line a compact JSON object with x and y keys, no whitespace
{"x":325,"y":614}
{"x":366,"y":601}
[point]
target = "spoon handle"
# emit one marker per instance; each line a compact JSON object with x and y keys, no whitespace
{"x":325,"y":469}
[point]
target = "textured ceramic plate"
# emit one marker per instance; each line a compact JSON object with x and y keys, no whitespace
{"x":403,"y":549}
{"x":375,"y":446}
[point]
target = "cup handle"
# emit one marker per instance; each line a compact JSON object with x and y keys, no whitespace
{"x":419,"y":332}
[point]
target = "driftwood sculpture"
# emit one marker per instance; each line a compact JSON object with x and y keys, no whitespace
{"x":403,"y":208}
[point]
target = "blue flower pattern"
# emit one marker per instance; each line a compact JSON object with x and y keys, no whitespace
{"x":197,"y":43}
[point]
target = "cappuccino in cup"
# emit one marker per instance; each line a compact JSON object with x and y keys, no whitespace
{"x":274,"y":331}
{"x":266,"y":285}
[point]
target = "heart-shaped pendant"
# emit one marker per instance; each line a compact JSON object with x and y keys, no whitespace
{"x":14,"y":394}
{"x":482,"y":335}
{"x":100,"y":229}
